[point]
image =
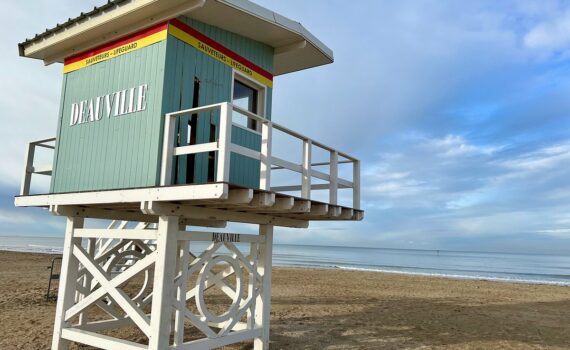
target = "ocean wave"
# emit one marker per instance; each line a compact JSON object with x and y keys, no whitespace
{"x":31,"y":249}
{"x":39,"y":246}
{"x":458,"y":276}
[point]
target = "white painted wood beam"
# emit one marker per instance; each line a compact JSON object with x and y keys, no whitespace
{"x":320,"y":175}
{"x":67,"y":283}
{"x":285,"y":164}
{"x":191,"y":212}
{"x":125,"y":216}
{"x":333,"y":190}
{"x":205,"y":223}
{"x":99,"y":341}
{"x":118,"y":295}
{"x":96,"y":213}
{"x":163,"y":294}
{"x":346,"y":214}
{"x":193,"y":149}
{"x":263,"y":200}
{"x":116,"y":233}
{"x":239,"y":196}
{"x":319,"y":209}
{"x":244,"y":151}
{"x":358,"y":215}
{"x":224,"y":142}
{"x":263,"y":303}
{"x":28,"y":164}
{"x":266,"y":151}
{"x":334,"y":211}
{"x":102,"y":325}
{"x":182,"y":270}
{"x":115,"y":282}
{"x":136,"y":195}
{"x":301,"y":206}
{"x":356,"y":185}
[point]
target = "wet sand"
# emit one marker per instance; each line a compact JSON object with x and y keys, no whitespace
{"x":332,"y":309}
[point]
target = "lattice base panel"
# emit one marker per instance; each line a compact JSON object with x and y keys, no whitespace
{"x":158,"y":286}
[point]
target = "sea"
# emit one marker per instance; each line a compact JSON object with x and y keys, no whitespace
{"x":492,"y":266}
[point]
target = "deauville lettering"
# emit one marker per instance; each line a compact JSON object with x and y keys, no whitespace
{"x":225,"y":237}
{"x":115,"y":104}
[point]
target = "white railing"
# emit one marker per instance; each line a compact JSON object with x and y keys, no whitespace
{"x":224,"y":146}
{"x":30,"y":168}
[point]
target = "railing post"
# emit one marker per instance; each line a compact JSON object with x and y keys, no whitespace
{"x":27,"y":179}
{"x":265,"y":176}
{"x":333,"y":186}
{"x":306,"y":174}
{"x":356,"y":184}
{"x":167,"y":151}
{"x":224,"y":142}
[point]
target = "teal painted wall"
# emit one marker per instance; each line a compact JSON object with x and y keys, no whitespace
{"x":184,"y":63}
{"x":125,"y":151}
{"x":116,"y":152}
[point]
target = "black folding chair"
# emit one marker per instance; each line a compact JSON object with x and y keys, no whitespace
{"x":55,"y":270}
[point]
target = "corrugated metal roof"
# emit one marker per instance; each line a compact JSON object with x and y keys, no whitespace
{"x":295,"y":47}
{"x":72,"y":21}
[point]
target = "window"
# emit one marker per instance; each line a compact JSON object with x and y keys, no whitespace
{"x":245,"y":97}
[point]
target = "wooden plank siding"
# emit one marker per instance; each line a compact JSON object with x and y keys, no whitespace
{"x":120,"y":152}
{"x":184,"y":63}
{"x":124,"y":152}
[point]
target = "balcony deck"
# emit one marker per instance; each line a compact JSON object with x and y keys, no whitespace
{"x":214,"y":204}
{"x":210,"y":205}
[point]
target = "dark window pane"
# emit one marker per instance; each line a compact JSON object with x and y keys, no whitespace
{"x":246,"y":98}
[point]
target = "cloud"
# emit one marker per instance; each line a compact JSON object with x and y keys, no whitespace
{"x":552,"y":35}
{"x":558,"y":232}
{"x":444,"y":188}
{"x":545,"y":158}
{"x":456,"y":145}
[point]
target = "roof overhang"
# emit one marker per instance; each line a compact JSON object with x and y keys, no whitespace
{"x":295,"y":47}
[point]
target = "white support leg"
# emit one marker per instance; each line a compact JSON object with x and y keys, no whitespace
{"x":263,"y":303}
{"x":252,"y":285}
{"x":163,"y":289}
{"x":91,"y":243}
{"x":183,"y":261}
{"x":67,"y":282}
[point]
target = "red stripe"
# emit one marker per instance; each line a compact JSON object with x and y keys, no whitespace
{"x":119,"y":42}
{"x":221,"y":48}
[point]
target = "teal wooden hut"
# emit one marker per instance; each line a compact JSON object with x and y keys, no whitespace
{"x":116,"y":91}
{"x":165,"y":122}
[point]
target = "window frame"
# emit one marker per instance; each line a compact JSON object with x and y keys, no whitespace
{"x":261,"y":98}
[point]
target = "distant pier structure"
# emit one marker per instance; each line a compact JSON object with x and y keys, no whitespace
{"x":165,"y":130}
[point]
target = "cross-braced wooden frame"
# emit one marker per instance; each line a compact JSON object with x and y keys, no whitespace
{"x":94,"y":276}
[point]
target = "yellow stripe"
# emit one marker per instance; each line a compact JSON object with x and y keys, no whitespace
{"x":210,"y":51}
{"x":117,"y":51}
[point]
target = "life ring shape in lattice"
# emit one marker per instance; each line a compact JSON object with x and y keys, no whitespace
{"x":206,"y":278}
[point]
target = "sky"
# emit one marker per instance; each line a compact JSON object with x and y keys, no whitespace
{"x":458,"y":110}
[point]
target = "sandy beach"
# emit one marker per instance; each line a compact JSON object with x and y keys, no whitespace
{"x":331,"y":309}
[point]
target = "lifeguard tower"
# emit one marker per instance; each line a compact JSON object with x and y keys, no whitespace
{"x":165,"y":128}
